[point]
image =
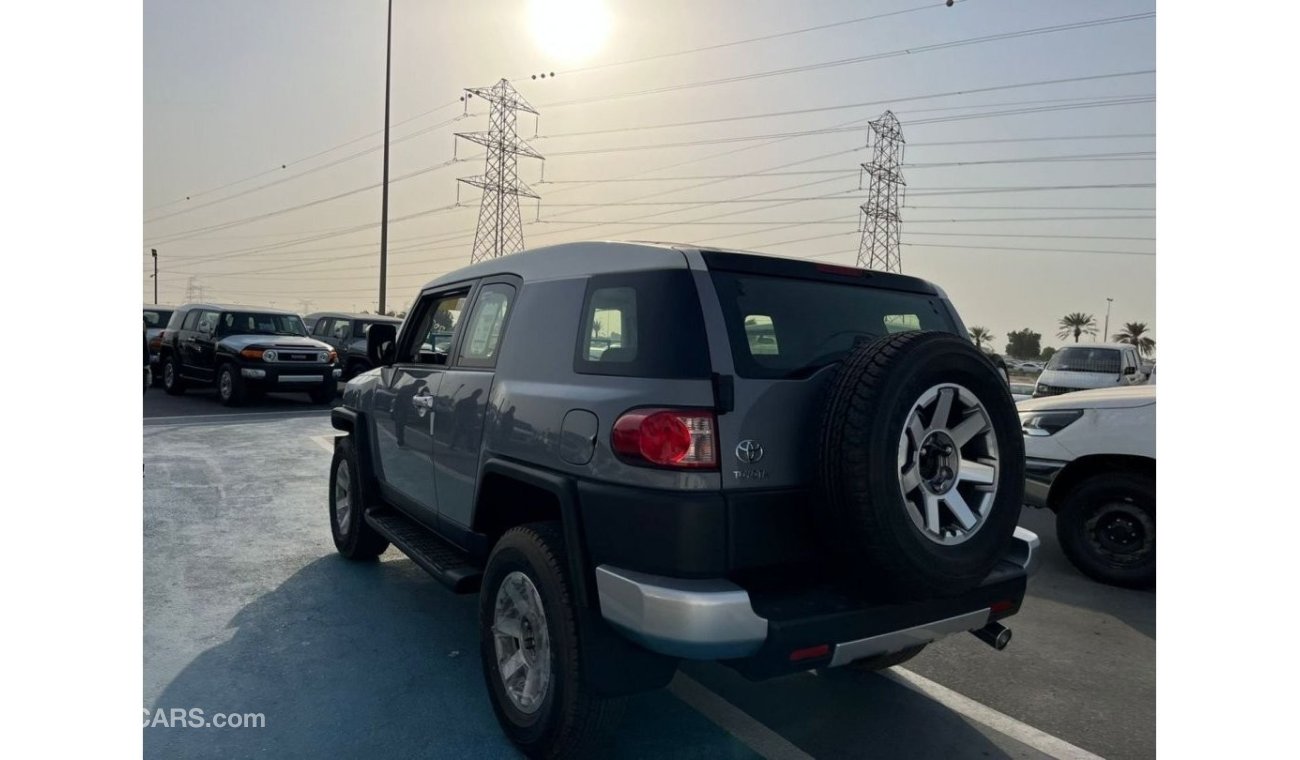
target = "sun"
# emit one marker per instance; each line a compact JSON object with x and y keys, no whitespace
{"x":569,"y":30}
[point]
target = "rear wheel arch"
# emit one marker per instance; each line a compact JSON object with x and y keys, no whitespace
{"x":1087,"y":467}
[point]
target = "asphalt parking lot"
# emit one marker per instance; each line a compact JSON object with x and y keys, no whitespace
{"x":248,"y":609}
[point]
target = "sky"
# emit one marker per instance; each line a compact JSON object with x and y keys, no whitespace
{"x":263,"y":123}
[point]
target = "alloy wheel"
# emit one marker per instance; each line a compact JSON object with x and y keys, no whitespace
{"x":948,"y":464}
{"x":523,"y":644}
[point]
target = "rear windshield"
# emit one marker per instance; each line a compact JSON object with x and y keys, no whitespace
{"x":1082,"y":359}
{"x":784,"y":327}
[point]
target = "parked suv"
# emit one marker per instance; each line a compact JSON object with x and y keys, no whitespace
{"x":155,"y":319}
{"x":1095,"y":365}
{"x":1091,"y":459}
{"x":347,"y":334}
{"x":638,"y":454}
{"x":245,"y":351}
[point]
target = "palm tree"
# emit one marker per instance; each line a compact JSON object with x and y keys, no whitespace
{"x":979,"y":335}
{"x":1076,"y":324}
{"x":1135,"y":334}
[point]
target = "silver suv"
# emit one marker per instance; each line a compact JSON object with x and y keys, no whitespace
{"x":638,"y":454}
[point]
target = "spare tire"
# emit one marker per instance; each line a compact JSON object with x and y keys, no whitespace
{"x":921,"y":466}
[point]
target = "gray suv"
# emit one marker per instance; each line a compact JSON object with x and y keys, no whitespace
{"x":638,"y":454}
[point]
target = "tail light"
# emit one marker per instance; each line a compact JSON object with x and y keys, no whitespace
{"x":156,"y":341}
{"x":679,"y":438}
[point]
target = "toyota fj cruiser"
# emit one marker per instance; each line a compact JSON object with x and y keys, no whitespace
{"x":638,"y":454}
{"x":347,"y":334}
{"x":245,"y":351}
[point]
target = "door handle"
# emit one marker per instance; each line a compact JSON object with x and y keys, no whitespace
{"x":422,"y":401}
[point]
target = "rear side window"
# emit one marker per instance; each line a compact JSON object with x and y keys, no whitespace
{"x":486,"y":324}
{"x":156,"y":318}
{"x":789,"y":327}
{"x":642,"y":324}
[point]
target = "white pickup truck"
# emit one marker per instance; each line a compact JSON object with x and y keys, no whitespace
{"x":1090,"y":456}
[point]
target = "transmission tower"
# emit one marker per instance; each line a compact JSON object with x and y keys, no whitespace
{"x":882,"y":226}
{"x":500,"y":230}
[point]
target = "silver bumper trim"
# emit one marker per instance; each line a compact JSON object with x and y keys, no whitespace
{"x":712,"y":619}
{"x":302,"y":378}
{"x":894,"y":641}
{"x":695,"y":619}
{"x":1026,"y":550}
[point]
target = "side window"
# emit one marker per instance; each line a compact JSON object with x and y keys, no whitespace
{"x":610,"y":325}
{"x":901,"y":323}
{"x":431,"y":341}
{"x":643,"y":324}
{"x":485,"y":326}
{"x":191,"y":318}
{"x":341,"y":329}
{"x":207,"y":322}
{"x":761,"y":334}
{"x":321,"y":324}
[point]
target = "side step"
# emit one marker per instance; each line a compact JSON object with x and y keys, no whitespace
{"x":439,"y":558}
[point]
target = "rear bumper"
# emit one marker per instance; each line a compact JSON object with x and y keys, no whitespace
{"x":715,"y":619}
{"x":1039,"y":476}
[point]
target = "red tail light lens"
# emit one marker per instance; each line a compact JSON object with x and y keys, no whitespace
{"x":667,"y":438}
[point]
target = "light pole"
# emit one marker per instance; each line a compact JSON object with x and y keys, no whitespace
{"x":154,"y":253}
{"x":383,"y":221}
{"x":1106,"y":330}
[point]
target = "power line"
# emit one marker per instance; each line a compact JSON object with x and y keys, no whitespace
{"x":304,"y":173}
{"x":287,"y":164}
{"x":719,"y":46}
{"x":843,"y":129}
{"x":847,"y":106}
{"x":861,"y":59}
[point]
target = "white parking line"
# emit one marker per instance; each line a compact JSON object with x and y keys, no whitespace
{"x":753,"y":734}
{"x":190,"y":419}
{"x":1000,"y":722}
{"x":324,"y":441}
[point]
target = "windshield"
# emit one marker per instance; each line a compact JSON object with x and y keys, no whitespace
{"x":156,"y":317}
{"x":1081,"y":359}
{"x":254,"y":323}
{"x":786,"y":327}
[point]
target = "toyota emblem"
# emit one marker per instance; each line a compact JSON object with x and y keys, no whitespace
{"x":749,"y":451}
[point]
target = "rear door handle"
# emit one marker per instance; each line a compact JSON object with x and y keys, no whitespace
{"x":422,"y":401}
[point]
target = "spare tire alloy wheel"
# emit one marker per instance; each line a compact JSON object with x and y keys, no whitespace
{"x":921,"y":465}
{"x":948,"y":464}
{"x":523,"y":645}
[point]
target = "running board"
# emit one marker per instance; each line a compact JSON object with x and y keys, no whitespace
{"x":440,"y":559}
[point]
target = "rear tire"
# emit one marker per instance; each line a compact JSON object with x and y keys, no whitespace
{"x":559,"y":716}
{"x":1107,"y":529}
{"x":353,"y":536}
{"x":173,"y":385}
{"x":922,"y":466}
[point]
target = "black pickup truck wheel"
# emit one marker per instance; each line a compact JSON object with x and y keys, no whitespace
{"x":529,"y":646}
{"x":921,"y":466}
{"x":230,"y":386}
{"x":353,"y":536}
{"x":171,"y":372}
{"x":1107,"y":528}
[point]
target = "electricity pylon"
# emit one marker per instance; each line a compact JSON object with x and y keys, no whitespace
{"x":500,"y":230}
{"x":882,"y":227}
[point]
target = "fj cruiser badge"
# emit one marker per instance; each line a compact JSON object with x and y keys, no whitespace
{"x":749,"y":451}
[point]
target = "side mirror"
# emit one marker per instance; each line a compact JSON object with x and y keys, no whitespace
{"x":381,"y":344}
{"x":1130,"y":370}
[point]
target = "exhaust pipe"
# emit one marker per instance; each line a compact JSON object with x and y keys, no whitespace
{"x":995,"y":635}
